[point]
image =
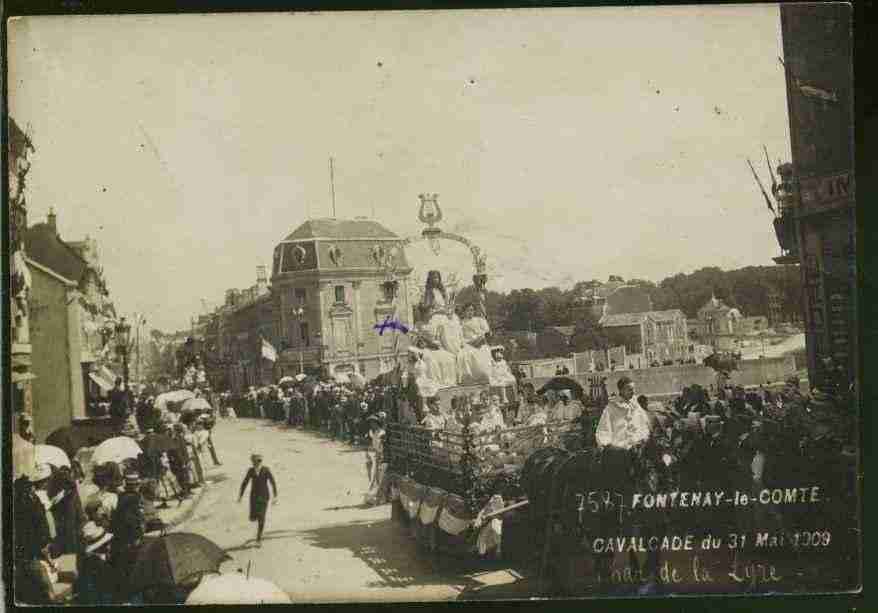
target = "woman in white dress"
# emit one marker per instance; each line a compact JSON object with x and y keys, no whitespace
{"x":501,"y":375}
{"x":427,"y":386}
{"x":474,"y":360}
{"x":441,"y":332}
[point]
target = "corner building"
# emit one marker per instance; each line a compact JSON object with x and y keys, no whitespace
{"x":332,"y":287}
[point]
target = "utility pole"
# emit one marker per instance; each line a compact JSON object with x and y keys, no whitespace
{"x":137,"y":348}
{"x":332,"y":184}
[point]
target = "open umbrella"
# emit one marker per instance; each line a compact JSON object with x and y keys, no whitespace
{"x":195,"y":404}
{"x":23,"y":456}
{"x":286,"y":380}
{"x":563,"y":383}
{"x":172,"y":559}
{"x":236,"y":588}
{"x":51,"y":455}
{"x":117,"y":449}
{"x":71,"y":439}
{"x":175,"y":397}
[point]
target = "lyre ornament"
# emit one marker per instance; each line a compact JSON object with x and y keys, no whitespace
{"x":429,"y":212}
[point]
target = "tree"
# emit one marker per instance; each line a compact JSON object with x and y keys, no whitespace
{"x":557,"y":307}
{"x":588,"y":334}
{"x":525,"y":310}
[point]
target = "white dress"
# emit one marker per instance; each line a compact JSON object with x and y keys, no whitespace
{"x":445,"y":331}
{"x":492,"y":421}
{"x":474,"y":364}
{"x":433,"y":422}
{"x":427,"y":385}
{"x":501,"y":376}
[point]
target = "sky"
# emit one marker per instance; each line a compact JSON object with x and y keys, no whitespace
{"x":569,"y":143}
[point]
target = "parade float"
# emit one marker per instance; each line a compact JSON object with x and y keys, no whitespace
{"x":725,"y":496}
{"x":457,"y":472}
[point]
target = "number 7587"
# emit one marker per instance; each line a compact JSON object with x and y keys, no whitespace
{"x":595,"y":502}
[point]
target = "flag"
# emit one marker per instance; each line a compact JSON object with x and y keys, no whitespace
{"x":268,"y":352}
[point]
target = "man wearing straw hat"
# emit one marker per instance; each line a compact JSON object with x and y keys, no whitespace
{"x":97,"y":581}
{"x":259,"y":495}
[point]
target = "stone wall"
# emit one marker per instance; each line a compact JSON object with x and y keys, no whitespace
{"x":672,"y":379}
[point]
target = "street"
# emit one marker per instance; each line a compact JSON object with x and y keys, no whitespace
{"x":788,"y":345}
{"x":320,"y":543}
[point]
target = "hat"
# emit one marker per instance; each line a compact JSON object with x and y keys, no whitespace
{"x":382,"y":415}
{"x":563,"y":394}
{"x":94,"y":537}
{"x":40,"y":472}
{"x":364,"y":405}
{"x":27,"y":417}
{"x":255,"y":456}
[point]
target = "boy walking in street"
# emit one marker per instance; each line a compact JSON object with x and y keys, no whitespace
{"x":259,"y":496}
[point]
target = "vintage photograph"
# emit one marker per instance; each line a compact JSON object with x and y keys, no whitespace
{"x":407,"y":306}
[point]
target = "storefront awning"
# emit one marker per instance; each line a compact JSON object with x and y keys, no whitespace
{"x":100,"y":381}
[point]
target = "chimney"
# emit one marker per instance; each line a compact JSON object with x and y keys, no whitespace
{"x":51,"y":220}
{"x":261,"y":280}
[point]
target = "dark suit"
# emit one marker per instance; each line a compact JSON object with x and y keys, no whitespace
{"x":118,"y":403}
{"x":259,"y":494}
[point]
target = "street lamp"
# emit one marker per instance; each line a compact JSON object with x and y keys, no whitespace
{"x":320,"y":347}
{"x":299,"y":314}
{"x":123,"y":337}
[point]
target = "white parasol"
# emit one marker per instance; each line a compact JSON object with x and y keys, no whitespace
{"x":236,"y":588}
{"x":162,"y":400}
{"x":49,"y":454}
{"x":195,"y":404}
{"x":117,"y":449}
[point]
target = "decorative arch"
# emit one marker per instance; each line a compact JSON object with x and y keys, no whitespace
{"x":480,"y":276}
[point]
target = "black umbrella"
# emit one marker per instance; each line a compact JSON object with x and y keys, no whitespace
{"x":563,"y":383}
{"x":72,"y":439}
{"x":173,"y":559}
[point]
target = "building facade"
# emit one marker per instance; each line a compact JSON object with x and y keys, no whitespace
{"x":55,"y":331}
{"x":79,"y":262}
{"x":822,"y":218}
{"x":719,"y":325}
{"x":19,"y":149}
{"x":656,"y":336}
{"x":614,"y":297}
{"x":335,"y":281}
